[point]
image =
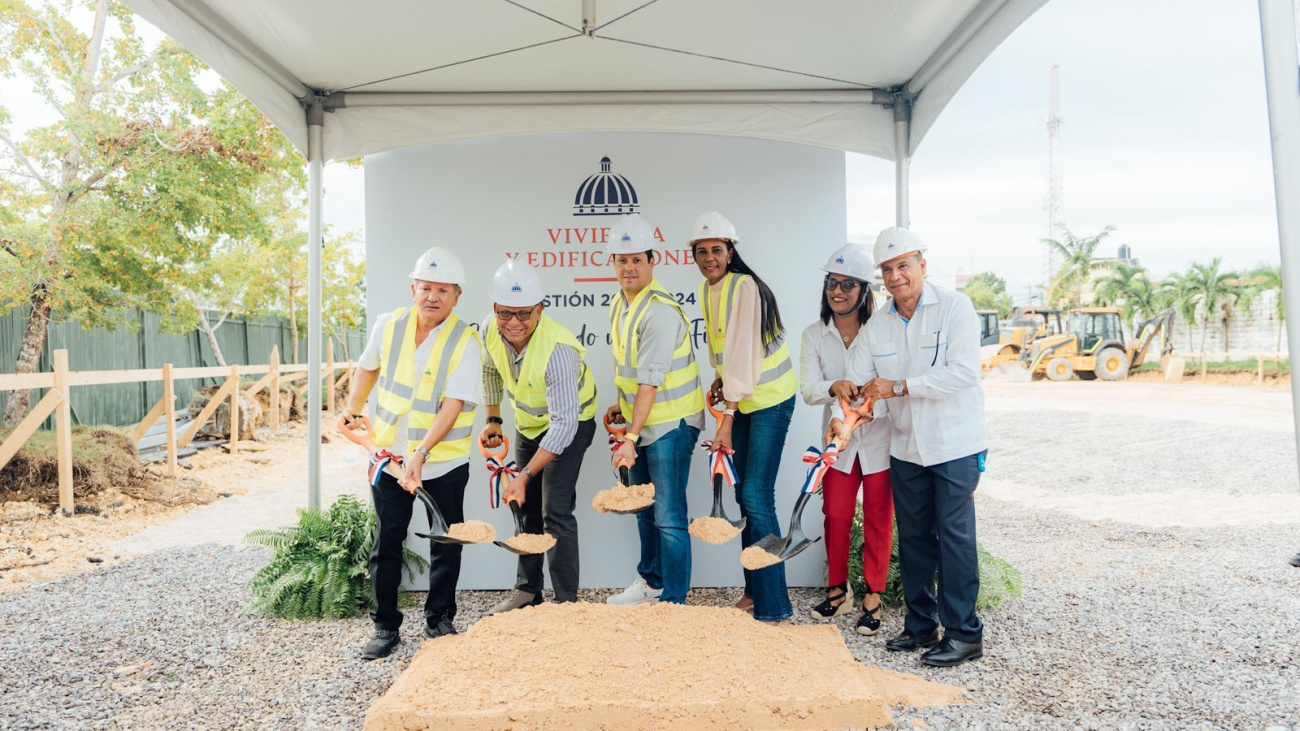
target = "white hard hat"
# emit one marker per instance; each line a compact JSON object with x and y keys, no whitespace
{"x":712,"y":225}
{"x":894,"y":242}
{"x":631,"y":235}
{"x":516,"y":284}
{"x":851,"y":260}
{"x":438,"y":264}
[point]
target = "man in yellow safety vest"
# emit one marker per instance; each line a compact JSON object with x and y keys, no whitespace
{"x":427,"y":364}
{"x":660,"y":398}
{"x":540,"y":365}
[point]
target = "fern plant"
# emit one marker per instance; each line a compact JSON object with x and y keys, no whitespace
{"x":999,"y":581}
{"x":320,"y":569}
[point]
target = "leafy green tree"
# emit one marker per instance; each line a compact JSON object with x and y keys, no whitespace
{"x":142,"y":172}
{"x":1128,"y":286}
{"x":1261,"y":279}
{"x":1077,"y":266}
{"x":988,"y":291}
{"x":344,"y":293}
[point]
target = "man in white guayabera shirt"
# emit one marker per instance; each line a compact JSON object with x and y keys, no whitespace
{"x":922,"y":360}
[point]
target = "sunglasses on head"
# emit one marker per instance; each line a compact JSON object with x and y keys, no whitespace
{"x":506,"y":315}
{"x":847,"y":285}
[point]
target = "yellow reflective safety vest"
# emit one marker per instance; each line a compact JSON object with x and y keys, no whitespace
{"x":528,"y":393}
{"x":402,"y":391}
{"x":777,"y":382}
{"x":681,"y":395}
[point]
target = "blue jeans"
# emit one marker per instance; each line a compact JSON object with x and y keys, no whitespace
{"x":665,"y":543}
{"x":758,"y":439}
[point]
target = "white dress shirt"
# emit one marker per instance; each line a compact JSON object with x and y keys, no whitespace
{"x":823,"y":360}
{"x":464,"y":383}
{"x":938,"y":353}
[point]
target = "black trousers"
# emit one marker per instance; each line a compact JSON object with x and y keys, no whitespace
{"x":935,"y":508}
{"x":549,"y":501}
{"x":393,"y":507}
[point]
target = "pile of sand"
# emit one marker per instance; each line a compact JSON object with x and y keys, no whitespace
{"x":567,"y":666}
{"x":472,"y":531}
{"x":755,"y":558}
{"x":624,"y":499}
{"x":532,"y":542}
{"x":713,"y":530}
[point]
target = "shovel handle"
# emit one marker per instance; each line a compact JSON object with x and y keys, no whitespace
{"x":617,"y":431}
{"x":500,"y":453}
{"x":357,"y":431}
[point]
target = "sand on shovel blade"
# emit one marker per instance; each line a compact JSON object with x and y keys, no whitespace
{"x":713,"y":530}
{"x":532,"y":542}
{"x":755,"y":558}
{"x":624,"y":498}
{"x":472,"y":531}
{"x":579,"y":666}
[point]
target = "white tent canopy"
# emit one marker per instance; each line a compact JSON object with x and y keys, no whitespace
{"x":343,"y":79}
{"x":835,"y":62}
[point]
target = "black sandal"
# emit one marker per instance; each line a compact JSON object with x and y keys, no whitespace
{"x":829,"y":608}
{"x":869,"y":622}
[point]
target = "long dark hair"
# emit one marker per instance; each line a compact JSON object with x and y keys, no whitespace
{"x":770,"y":322}
{"x":866,"y":303}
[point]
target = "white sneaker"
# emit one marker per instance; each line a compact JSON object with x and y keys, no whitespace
{"x":638,"y":593}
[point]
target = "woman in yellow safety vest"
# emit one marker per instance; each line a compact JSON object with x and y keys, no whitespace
{"x":756,"y":381}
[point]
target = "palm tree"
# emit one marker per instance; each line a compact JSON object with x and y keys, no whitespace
{"x":1077,"y":267}
{"x":1176,"y":292}
{"x":1266,"y":278}
{"x":1209,"y":286}
{"x":1127,"y":286}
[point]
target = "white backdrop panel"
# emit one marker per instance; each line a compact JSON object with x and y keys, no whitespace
{"x":489,"y":198}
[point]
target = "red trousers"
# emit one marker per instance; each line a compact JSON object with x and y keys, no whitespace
{"x":839,"y":503}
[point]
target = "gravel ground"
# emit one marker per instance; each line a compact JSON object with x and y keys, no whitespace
{"x":1118,"y":627}
{"x":1107,"y":454}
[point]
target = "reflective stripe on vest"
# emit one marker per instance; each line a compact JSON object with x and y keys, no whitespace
{"x":777,"y":381}
{"x":528,"y":393}
{"x":681,"y":395}
{"x":400,"y":394}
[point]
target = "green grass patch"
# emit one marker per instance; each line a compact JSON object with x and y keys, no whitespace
{"x":1251,"y":365}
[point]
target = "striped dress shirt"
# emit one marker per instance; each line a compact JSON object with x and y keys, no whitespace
{"x":562,"y":380}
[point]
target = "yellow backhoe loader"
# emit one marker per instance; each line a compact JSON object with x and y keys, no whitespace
{"x":1026,"y":325}
{"x":1094,"y":346}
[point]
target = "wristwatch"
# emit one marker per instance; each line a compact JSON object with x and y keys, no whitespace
{"x":422,"y":451}
{"x":495,"y":420}
{"x":527,"y":473}
{"x":898,"y":389}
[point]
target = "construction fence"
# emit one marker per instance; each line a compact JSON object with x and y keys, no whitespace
{"x":144,"y":345}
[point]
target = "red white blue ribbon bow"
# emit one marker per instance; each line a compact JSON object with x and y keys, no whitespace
{"x":728,"y":463}
{"x":818,"y":462}
{"x":496,"y":471}
{"x":378,"y":462}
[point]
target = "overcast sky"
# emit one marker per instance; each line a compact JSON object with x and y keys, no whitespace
{"x":1164,"y":136}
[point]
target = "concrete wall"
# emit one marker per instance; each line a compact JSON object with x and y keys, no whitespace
{"x":1249,"y":331}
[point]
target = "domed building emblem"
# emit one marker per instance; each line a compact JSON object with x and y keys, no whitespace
{"x":605,"y":194}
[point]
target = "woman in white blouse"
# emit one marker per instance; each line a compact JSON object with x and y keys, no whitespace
{"x":863,"y":464}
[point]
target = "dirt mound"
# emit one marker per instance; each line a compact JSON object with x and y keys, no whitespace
{"x":657,"y":665}
{"x":218,"y":425}
{"x":102,"y":458}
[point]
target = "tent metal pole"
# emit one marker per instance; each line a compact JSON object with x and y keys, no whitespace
{"x":315,"y":245}
{"x":346,"y":99}
{"x":1277,"y":20}
{"x":902,"y":163}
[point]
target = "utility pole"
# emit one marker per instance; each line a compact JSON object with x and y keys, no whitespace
{"x":1054,"y":201}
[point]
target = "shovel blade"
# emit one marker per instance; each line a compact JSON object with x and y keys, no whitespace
{"x":773,"y":544}
{"x":796,"y":547}
{"x":513,"y":550}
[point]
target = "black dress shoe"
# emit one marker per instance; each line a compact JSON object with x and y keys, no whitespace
{"x":952,"y":652}
{"x":441,"y":628}
{"x":909,"y":641}
{"x":381,"y":644}
{"x":1295,"y":560}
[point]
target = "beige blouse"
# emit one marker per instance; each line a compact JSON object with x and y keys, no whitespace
{"x":743,"y":355}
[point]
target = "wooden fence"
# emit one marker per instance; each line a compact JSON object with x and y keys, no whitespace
{"x":62,"y":380}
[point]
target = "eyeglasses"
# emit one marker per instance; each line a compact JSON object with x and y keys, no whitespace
{"x":522,"y":316}
{"x":847,"y":285}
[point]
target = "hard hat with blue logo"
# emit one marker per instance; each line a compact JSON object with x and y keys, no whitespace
{"x":851,"y":260}
{"x":516,"y":284}
{"x":631,"y":235}
{"x":894,"y":242}
{"x":712,"y":225}
{"x":438,"y":264}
